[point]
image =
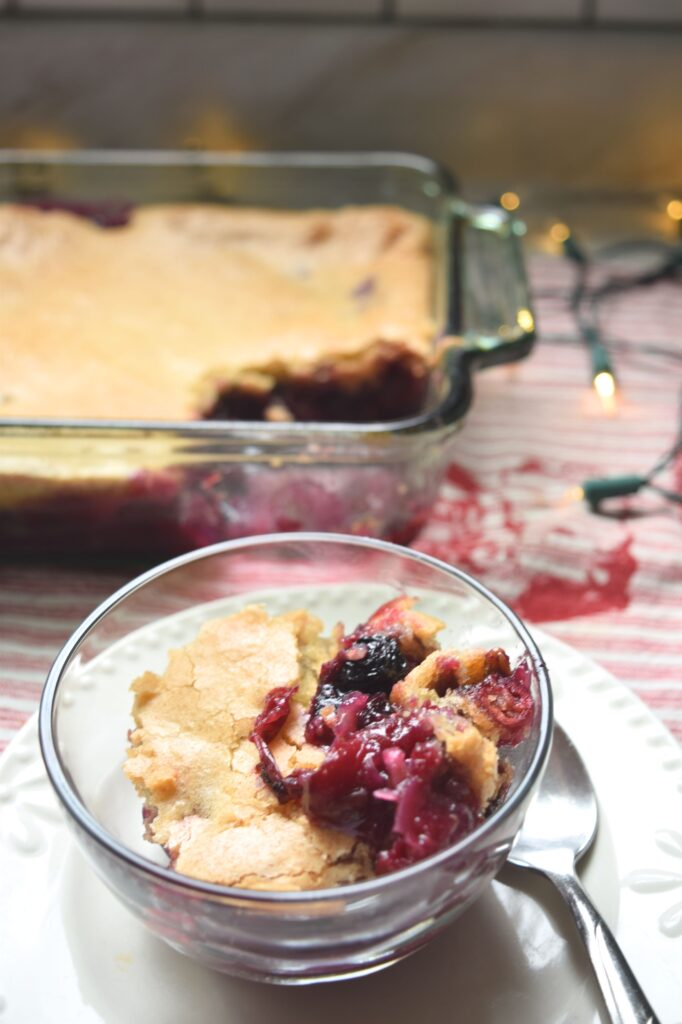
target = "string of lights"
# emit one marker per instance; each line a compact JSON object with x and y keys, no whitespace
{"x":653,"y":350}
{"x":599,"y":489}
{"x":584,"y":301}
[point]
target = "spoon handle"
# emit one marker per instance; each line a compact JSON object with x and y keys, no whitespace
{"x":622,"y":994}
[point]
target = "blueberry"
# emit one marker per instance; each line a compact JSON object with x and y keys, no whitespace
{"x":371,"y":665}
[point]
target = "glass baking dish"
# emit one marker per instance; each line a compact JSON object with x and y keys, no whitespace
{"x":158,"y":488}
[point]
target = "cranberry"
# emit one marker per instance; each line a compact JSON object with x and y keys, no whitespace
{"x":274,"y":713}
{"x":508,"y":701}
{"x":265,"y":728}
{"x":378,"y":706}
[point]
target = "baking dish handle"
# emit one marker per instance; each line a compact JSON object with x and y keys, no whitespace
{"x":491,"y":303}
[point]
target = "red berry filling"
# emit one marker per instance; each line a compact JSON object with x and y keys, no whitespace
{"x":395,"y":388}
{"x":108,"y":213}
{"x":368,"y":664}
{"x":391,"y":784}
{"x":386,"y":777}
{"x":372,"y":658}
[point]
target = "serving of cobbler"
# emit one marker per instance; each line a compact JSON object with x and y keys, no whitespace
{"x":271,"y":757}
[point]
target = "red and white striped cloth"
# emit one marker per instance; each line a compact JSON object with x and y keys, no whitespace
{"x":612,"y":587}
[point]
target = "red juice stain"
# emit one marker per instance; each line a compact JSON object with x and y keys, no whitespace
{"x":605,"y":588}
{"x":462,"y":478}
{"x":531,"y":466}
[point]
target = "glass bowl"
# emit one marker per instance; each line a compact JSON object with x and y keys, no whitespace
{"x":289,"y":937}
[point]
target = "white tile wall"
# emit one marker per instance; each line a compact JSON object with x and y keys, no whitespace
{"x":322,"y":8}
{"x":537,"y":9}
{"x":640,"y":10}
{"x":645,"y":11}
{"x":97,"y":6}
{"x":568,"y":107}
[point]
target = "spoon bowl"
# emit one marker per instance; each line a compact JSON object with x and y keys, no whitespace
{"x":564,"y":815}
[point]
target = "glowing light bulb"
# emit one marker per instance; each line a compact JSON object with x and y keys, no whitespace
{"x":559,"y":232}
{"x":525,"y":320}
{"x":605,"y":384}
{"x":571,"y":495}
{"x":510,"y":201}
{"x":674,"y":209}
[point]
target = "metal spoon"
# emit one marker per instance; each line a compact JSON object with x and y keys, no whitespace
{"x":560,"y":826}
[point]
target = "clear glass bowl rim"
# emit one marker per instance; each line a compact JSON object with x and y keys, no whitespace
{"x":77,"y":810}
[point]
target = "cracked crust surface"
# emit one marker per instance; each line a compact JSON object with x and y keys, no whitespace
{"x":191,"y":759}
{"x":157,"y":315}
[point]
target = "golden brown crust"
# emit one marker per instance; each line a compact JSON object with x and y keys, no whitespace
{"x":191,"y":759}
{"x":477,"y":755}
{"x":273,"y":851}
{"x":149,"y":320}
{"x":441,"y":671}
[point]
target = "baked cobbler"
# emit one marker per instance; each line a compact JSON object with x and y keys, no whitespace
{"x":178,"y":312}
{"x":271,"y":757}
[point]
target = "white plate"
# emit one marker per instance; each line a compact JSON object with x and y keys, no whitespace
{"x":70,"y":954}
